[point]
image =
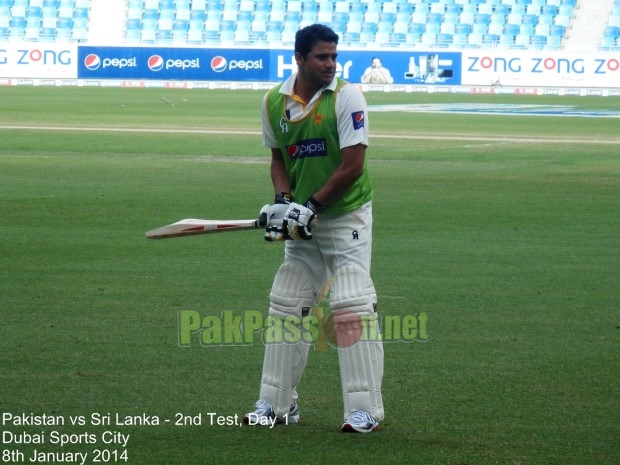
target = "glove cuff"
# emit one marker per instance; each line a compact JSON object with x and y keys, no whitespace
{"x":283,"y":198}
{"x":314,"y":205}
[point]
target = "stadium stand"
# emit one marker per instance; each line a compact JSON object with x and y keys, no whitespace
{"x":519,"y":24}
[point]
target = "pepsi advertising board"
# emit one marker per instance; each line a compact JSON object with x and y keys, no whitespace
{"x":182,"y":64}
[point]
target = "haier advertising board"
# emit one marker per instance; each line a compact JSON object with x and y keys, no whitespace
{"x":182,"y":64}
{"x":406,"y":67}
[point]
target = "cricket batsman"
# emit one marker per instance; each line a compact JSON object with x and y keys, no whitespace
{"x":316,"y":126}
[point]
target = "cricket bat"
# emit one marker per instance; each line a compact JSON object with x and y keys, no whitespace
{"x":193,"y":227}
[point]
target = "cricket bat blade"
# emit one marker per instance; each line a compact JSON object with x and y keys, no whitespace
{"x":193,"y":227}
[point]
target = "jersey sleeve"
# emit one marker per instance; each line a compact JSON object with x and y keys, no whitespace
{"x":269,"y":139}
{"x":352,"y":115}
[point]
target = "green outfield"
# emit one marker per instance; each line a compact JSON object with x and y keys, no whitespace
{"x":496,"y":243}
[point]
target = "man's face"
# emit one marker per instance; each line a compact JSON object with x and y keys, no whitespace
{"x":376,"y":63}
{"x":319,"y":67}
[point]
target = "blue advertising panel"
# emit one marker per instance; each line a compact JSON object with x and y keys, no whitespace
{"x":405,"y":67}
{"x":183,"y":64}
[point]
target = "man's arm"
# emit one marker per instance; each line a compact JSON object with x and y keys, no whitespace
{"x":350,"y":169}
{"x":279,"y":176}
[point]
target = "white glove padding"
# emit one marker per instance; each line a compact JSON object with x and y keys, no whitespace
{"x":270,"y":218}
{"x":298,"y":221}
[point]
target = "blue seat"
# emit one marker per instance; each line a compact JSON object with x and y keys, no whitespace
{"x":81,"y":13}
{"x":498,"y":18}
{"x":443,"y":40}
{"x":273,"y":26}
{"x":545,"y":19}
{"x":481,"y":18}
{"x":397,"y":38}
{"x":511,"y":29}
{"x":432,"y":28}
{"x":133,"y":24}
{"x":17,"y":22}
{"x":417,"y":28}
{"x":150,"y":14}
{"x":198,"y":15}
{"x":506,"y":40}
{"x":149,"y":24}
{"x":384,"y":27}
{"x":386,"y":17}
{"x":530,"y":19}
{"x":263,"y":5}
{"x":422,"y":7}
{"x":164,"y":36}
{"x":33,"y":12}
{"x":490,"y":39}
{"x":612,"y":31}
{"x":460,"y":40}
{"x":434,"y":18}
{"x":502,"y":8}
{"x":481,"y":29}
{"x":180,"y":25}
{"x":351,"y":38}
{"x":357,"y":7}
{"x":48,"y":33}
{"x":526,"y":29}
{"x":405,"y":7}
{"x":553,"y":43}
{"x":292,"y":16}
{"x":549,"y":10}
{"x":464,"y":29}
{"x":539,"y":42}
{"x":451,"y":18}
{"x":309,"y":5}
{"x":453,"y":8}
{"x":556,"y":30}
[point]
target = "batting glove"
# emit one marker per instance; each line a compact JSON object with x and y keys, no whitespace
{"x":271,"y":218}
{"x":298,"y":219}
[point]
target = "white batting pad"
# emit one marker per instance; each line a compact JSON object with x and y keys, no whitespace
{"x":353,"y":303}
{"x":285,"y":362}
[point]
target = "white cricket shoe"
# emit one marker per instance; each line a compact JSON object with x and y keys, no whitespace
{"x":360,"y":421}
{"x":264,"y":415}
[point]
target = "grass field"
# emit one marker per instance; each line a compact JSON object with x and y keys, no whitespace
{"x":503,"y":230}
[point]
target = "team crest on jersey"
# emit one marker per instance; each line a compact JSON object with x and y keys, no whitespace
{"x":358,"y":120}
{"x":283,"y":125}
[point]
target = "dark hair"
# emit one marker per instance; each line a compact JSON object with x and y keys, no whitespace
{"x":307,"y":37}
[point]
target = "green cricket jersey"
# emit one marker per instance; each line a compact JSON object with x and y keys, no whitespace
{"x":311,"y":150}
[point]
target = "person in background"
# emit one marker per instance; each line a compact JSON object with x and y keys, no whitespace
{"x":376,"y":73}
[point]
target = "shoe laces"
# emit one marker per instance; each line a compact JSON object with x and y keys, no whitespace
{"x":263,"y":408}
{"x":361,"y":416}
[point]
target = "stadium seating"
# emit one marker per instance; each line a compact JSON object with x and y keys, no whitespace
{"x":44,"y":20}
{"x":611,"y":35}
{"x":459,"y":24}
